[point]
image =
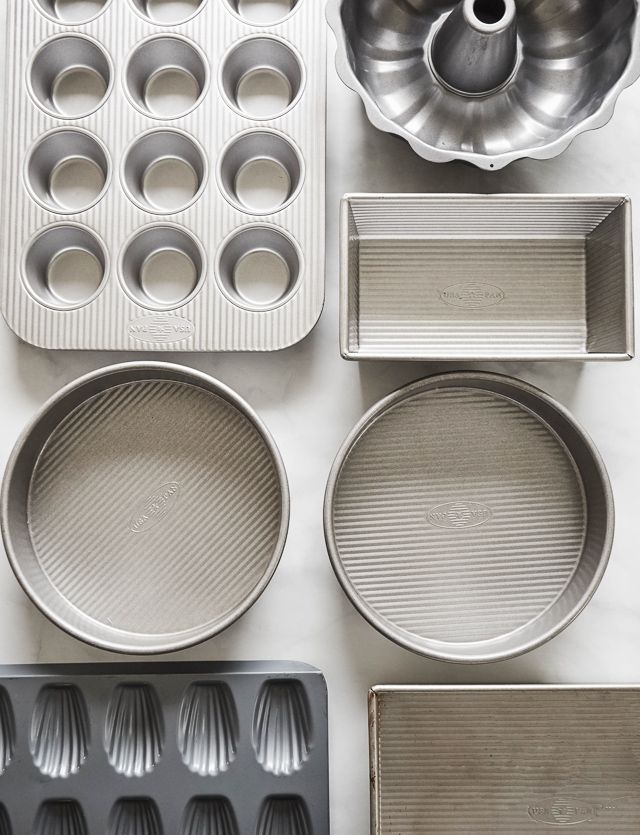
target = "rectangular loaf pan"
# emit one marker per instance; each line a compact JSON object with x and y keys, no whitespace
{"x":486,"y":277}
{"x":505,"y":760}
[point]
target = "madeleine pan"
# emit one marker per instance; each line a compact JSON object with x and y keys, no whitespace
{"x":175,"y":749}
{"x":163,"y":188}
{"x":456,"y":760}
{"x":468,"y":517}
{"x":145,"y":508}
{"x":486,"y":277}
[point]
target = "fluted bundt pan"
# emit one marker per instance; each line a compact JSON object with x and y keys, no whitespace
{"x":487,"y":81}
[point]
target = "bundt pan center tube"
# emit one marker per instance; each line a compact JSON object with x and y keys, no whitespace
{"x":487,"y":81}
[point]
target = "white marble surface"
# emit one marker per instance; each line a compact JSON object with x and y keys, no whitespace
{"x":310,"y":398}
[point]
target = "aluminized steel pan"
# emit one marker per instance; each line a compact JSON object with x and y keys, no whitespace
{"x":468,"y":517}
{"x":145,"y":508}
{"x":486,"y":277}
{"x":504,"y":760}
{"x":487,"y":81}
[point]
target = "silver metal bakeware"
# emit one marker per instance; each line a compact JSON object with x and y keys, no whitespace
{"x":145,"y":508}
{"x":164,"y":749}
{"x":487,"y":81}
{"x":163,"y":173}
{"x":486,"y":277}
{"x":525,"y":760}
{"x":468,"y":518}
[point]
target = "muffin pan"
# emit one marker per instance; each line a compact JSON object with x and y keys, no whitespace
{"x":177,"y":749}
{"x":486,"y":277}
{"x":145,"y":508}
{"x":164,"y":188}
{"x":504,"y":760}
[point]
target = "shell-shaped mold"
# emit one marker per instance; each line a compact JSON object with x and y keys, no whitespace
{"x":134,"y":730}
{"x":59,"y":735}
{"x":60,"y":817}
{"x":7,"y":731}
{"x":135,"y":816}
{"x":282,"y":732}
{"x":208,"y":729}
{"x":209,"y":816}
{"x":284,"y":816}
{"x":5,"y":826}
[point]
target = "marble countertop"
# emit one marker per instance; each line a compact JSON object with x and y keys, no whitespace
{"x":310,"y":398}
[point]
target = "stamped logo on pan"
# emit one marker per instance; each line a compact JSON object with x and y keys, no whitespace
{"x":161,"y":328}
{"x":566,"y":810}
{"x":472,"y":295}
{"x":459,"y":515}
{"x":155,"y":507}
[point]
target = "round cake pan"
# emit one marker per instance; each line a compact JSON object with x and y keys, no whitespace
{"x":145,"y":508}
{"x":468,"y":517}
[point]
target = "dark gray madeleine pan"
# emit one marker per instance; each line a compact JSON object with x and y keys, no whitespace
{"x":163,"y":749}
{"x":486,"y":277}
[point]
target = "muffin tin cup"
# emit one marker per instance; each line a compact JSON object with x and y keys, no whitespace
{"x":260,"y":172}
{"x":162,"y":267}
{"x":193,"y":117}
{"x":68,"y":171}
{"x":68,"y":15}
{"x":259,"y":267}
{"x":65,"y":266}
{"x":164,"y":171}
{"x":154,"y":11}
{"x":262,"y":77}
{"x":70,"y":76}
{"x":166,"y":76}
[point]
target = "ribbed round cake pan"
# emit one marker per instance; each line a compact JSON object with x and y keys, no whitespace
{"x":468,"y":517}
{"x":145,"y":508}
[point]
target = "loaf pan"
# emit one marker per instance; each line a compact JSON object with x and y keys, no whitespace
{"x":145,"y":508}
{"x":499,"y":277}
{"x":525,"y":760}
{"x":233,"y":748}
{"x":468,"y":517}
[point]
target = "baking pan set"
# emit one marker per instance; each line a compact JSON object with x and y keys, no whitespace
{"x":163,"y":183}
{"x":175,"y":749}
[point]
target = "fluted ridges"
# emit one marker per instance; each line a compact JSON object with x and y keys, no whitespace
{"x":60,"y":817}
{"x":208,"y":729}
{"x":59,"y":735}
{"x":7,"y":731}
{"x":135,"y":816}
{"x":209,"y":816}
{"x":284,"y":816}
{"x":282,"y":732}
{"x":134,"y":730}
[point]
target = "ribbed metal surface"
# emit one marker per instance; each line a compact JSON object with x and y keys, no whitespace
{"x":155,"y":509}
{"x":505,"y":760}
{"x":428,"y":277}
{"x":457,"y":516}
{"x":210,"y":322}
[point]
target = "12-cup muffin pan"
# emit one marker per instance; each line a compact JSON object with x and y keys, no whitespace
{"x":176,"y":749}
{"x":163,"y":183}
